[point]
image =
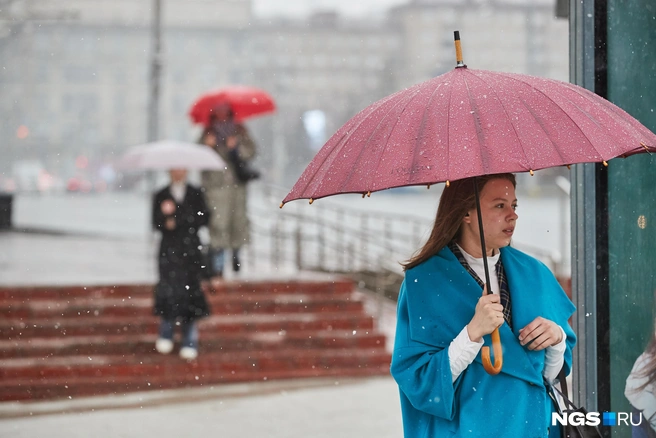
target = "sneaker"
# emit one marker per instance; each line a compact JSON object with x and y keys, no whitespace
{"x":188,"y":353}
{"x":164,"y":346}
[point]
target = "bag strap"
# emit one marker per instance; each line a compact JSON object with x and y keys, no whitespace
{"x":563,"y":383}
{"x":563,"y":389}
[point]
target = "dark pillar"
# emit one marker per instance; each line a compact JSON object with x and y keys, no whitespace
{"x":5,"y":210}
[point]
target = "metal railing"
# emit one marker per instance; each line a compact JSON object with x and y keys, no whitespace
{"x":327,"y":237}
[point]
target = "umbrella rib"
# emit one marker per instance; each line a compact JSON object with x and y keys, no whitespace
{"x":380,"y":122}
{"x":507,"y":115}
{"x":577,"y":125}
{"x":539,"y":122}
{"x":448,"y":134}
{"x":479,"y":129}
{"x":352,"y":171}
{"x":609,"y":110}
{"x":422,"y":128}
{"x":565,"y":112}
{"x":342,"y":141}
{"x":530,"y":110}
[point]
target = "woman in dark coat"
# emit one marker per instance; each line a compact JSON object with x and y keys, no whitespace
{"x":179,"y":210}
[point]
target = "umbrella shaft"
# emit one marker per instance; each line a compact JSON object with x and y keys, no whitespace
{"x":482,"y":233}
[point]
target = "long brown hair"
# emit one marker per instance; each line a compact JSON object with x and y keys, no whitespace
{"x":648,"y":371}
{"x":455,"y":202}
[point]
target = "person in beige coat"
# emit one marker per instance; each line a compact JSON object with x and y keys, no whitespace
{"x":226,"y":190}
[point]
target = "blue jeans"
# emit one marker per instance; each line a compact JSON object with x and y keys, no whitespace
{"x":217,"y":260}
{"x":189,"y":332}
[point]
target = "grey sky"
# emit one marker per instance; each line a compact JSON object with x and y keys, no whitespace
{"x":301,"y":8}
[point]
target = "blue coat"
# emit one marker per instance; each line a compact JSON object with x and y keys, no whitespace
{"x":436,"y":301}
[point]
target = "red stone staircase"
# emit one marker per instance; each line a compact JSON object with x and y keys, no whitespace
{"x":61,"y":342}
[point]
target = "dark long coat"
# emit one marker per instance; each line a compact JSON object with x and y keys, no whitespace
{"x":178,"y":293}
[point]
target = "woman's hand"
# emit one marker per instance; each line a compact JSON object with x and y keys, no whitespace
{"x":488,"y":316}
{"x":170,"y":224}
{"x":540,"y":334}
{"x":231,"y":142}
{"x":168,"y":207}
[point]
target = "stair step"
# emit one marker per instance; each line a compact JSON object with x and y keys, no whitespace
{"x":209,"y":342}
{"x":80,"y":341}
{"x":136,"y":307}
{"x":103,"y":367}
{"x":29,"y":389}
{"x":61,"y":327}
{"x":339,"y":286}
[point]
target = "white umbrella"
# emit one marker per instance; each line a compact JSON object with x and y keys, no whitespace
{"x":171,"y":154}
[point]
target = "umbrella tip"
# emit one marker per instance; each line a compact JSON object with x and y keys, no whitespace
{"x":605,"y":163}
{"x":531,"y":172}
{"x":644,"y":145}
{"x":456,"y":38}
{"x":311,"y":201}
{"x":448,"y":183}
{"x":369,"y":194}
{"x":282,"y":204}
{"x":428,"y":187}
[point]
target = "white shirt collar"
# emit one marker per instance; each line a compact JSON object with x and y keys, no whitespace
{"x":477,"y":265}
{"x":491,"y":261}
{"x":178,"y":191}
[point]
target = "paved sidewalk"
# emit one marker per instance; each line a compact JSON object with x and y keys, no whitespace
{"x":317,"y":408}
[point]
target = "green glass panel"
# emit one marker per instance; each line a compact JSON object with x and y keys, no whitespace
{"x":631,"y":195}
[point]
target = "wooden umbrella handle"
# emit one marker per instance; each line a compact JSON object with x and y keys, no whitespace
{"x":498,"y":355}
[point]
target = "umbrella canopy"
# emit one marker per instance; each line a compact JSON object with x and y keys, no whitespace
{"x":170,"y":154}
{"x":244,"y":101}
{"x":466,"y":123}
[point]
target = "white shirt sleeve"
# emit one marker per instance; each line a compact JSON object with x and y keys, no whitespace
{"x":554,"y":357}
{"x":462,"y":352}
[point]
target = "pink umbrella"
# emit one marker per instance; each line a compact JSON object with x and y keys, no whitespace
{"x":468,"y":123}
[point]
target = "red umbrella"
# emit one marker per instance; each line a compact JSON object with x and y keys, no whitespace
{"x":468,"y":123}
{"x":245,"y":102}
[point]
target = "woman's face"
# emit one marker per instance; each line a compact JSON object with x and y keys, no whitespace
{"x":498,"y":204}
{"x":209,"y":139}
{"x":221,"y":113}
{"x":178,"y":175}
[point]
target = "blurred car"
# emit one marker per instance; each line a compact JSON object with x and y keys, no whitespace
{"x":79,"y":185}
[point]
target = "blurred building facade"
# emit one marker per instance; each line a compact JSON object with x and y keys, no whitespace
{"x":75,"y":76}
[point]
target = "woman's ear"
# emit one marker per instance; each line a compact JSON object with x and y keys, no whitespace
{"x":467,"y":219}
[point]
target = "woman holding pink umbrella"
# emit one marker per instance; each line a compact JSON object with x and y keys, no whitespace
{"x":444,"y":314}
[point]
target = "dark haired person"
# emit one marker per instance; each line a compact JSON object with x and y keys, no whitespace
{"x":179,"y":210}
